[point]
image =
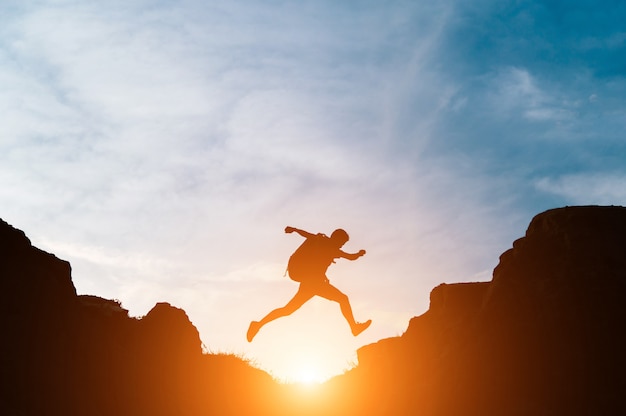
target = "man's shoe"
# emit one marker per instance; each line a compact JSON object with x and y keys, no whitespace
{"x":252,"y":330}
{"x":360,"y":327}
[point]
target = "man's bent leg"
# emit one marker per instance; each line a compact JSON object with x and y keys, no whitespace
{"x":299,"y":299}
{"x":330,"y":292}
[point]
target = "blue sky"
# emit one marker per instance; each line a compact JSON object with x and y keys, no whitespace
{"x":161,"y":147}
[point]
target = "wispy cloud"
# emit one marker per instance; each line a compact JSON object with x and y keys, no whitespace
{"x":517,"y":93}
{"x":587,"y":188}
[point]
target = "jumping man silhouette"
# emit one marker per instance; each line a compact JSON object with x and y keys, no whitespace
{"x":308,"y":265}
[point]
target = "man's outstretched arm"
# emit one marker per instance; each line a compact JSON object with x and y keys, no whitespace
{"x":303,"y":233}
{"x":351,"y":256}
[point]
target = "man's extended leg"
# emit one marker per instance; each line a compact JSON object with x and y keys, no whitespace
{"x":299,"y":299}
{"x":330,"y":292}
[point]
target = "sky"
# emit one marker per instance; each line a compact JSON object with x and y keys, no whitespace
{"x":161,"y":147}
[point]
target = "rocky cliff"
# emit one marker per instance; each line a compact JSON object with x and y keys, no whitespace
{"x":545,"y":336}
{"x":63,"y":354}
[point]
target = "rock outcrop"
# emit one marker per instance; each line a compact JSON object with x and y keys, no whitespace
{"x":544,"y":337}
{"x":63,"y":354}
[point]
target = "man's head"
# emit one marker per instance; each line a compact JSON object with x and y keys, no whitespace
{"x":339,"y":237}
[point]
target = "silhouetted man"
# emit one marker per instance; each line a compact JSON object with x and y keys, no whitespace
{"x":308,"y":265}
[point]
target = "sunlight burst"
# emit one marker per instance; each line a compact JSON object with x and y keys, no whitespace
{"x":309,"y":374}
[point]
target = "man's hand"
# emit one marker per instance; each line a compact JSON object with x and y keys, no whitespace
{"x":289,"y":230}
{"x":361,"y":253}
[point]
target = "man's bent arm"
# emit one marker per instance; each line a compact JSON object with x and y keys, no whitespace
{"x":351,"y":256}
{"x":303,"y":233}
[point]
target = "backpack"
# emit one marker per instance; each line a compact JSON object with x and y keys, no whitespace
{"x":310,"y":261}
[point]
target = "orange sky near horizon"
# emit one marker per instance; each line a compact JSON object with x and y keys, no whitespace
{"x":315,"y":342}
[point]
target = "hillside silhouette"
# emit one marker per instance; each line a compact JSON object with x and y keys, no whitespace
{"x":545,"y":336}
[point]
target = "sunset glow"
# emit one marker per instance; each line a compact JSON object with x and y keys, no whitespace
{"x":309,"y":374}
{"x":313,"y":344}
{"x":163,"y":147}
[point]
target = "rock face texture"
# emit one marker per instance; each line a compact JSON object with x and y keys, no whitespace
{"x":36,"y":298}
{"x":546,"y":336}
{"x":63,"y":354}
{"x":555,"y":317}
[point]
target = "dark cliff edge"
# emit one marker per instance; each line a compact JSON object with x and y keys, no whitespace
{"x":545,"y":336}
{"x":63,"y":354}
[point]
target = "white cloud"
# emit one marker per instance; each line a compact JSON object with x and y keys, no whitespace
{"x":587,"y":189}
{"x":517,"y":92}
{"x":115,"y":70}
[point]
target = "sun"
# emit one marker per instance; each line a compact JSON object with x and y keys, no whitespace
{"x":308,"y":349}
{"x":309,"y":375}
{"x":308,"y":366}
